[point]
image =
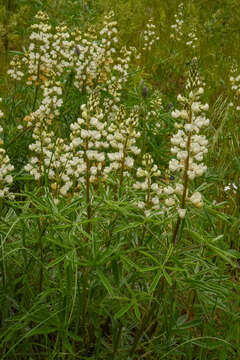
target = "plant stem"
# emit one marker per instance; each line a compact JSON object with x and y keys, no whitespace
{"x":41,"y":229}
{"x":37,"y":87}
{"x":116,"y":343}
{"x":123,"y":160}
{"x":144,"y":325}
{"x":88,"y":186}
{"x":185,"y":177}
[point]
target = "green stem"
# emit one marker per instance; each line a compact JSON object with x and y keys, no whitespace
{"x":141,"y":330}
{"x":123,"y":160}
{"x":186,"y":180}
{"x":2,"y":256}
{"x":36,"y":88}
{"x":117,"y":341}
{"x":41,"y":228}
{"x":88,"y":186}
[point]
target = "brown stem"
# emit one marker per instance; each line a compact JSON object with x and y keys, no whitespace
{"x":145,"y":322}
{"x":176,"y":230}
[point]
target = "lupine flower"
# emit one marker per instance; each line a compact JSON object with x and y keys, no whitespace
{"x":149,"y":36}
{"x":192,"y":39}
{"x":188,"y":145}
{"x":122,"y":138}
{"x":177,"y":28}
{"x":147,"y":184}
{"x":98,"y":62}
{"x":88,"y":140}
{"x":6,"y":169}
{"x":235,"y":86}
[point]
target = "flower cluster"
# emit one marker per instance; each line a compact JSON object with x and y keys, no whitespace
{"x":48,"y":108}
{"x":147,"y":184}
{"x":188,"y":146}
{"x":38,"y":59}
{"x":15,"y":71}
{"x":103,"y":140}
{"x":177,"y":28}
{"x":50,"y":160}
{"x":6,"y":169}
{"x":95,"y":150}
{"x":57,"y":166}
{"x":156,"y":107}
{"x":43,"y":151}
{"x":67,"y":166}
{"x":149,"y":36}
{"x":50,"y":54}
{"x":98,"y":62}
{"x":115,"y":83}
{"x":235,"y":87}
{"x":122,"y":138}
{"x":232,"y":187}
{"x":192,"y":39}
{"x":88,"y":142}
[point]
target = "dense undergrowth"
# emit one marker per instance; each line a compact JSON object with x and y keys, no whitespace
{"x":119,"y":180}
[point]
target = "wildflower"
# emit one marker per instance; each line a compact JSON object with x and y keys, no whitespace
{"x":148,"y":185}
{"x":149,"y":36}
{"x":6,"y":169}
{"x":189,"y":146}
{"x":177,"y":28}
{"x":182,"y":213}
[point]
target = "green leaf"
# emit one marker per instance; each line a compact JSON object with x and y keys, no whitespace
{"x":123,"y":310}
{"x":156,"y":279}
{"x":41,"y":331}
{"x":150,"y":256}
{"x":56,"y":261}
{"x":106,"y":283}
{"x":225,"y":255}
{"x":137,"y":312}
{"x":167,"y":277}
{"x":131,"y":263}
{"x":115,"y":270}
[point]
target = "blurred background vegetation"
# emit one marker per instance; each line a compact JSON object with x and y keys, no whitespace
{"x":217,"y":24}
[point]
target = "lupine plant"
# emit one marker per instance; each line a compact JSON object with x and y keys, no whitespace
{"x":114,"y":243}
{"x":177,"y":27}
{"x":149,"y":36}
{"x":6,"y":168}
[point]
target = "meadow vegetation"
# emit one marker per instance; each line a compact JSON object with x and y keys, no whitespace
{"x":119,"y":180}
